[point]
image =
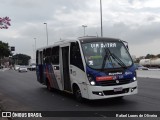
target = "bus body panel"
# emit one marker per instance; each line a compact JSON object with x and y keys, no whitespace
{"x":127,"y":74}
{"x":58,"y":76}
{"x":79,"y":77}
{"x":50,"y":75}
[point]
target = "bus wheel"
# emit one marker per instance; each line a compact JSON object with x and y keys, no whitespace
{"x":49,"y":86}
{"x":77,"y":94}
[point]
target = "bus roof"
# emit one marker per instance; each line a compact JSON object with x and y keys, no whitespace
{"x":95,"y":39}
{"x":81,"y":39}
{"x":57,"y":43}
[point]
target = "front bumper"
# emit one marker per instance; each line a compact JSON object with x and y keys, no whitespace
{"x":102,"y":92}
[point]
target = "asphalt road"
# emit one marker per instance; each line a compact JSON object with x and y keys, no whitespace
{"x":21,"y":92}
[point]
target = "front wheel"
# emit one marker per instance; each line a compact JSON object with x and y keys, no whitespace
{"x":78,"y":95}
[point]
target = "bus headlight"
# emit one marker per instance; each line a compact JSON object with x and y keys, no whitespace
{"x":91,"y":80}
{"x":92,"y":83}
{"x":134,"y":78}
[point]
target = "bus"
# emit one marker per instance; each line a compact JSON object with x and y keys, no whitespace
{"x":88,"y":67}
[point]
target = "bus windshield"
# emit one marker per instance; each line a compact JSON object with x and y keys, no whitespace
{"x":106,"y":55}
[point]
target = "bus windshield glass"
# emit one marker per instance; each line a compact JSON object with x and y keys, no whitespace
{"x":106,"y":55}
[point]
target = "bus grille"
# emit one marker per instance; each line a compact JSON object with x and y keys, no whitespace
{"x":113,"y":82}
{"x":112,"y":92}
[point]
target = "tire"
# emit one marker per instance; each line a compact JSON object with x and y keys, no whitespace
{"x":49,"y":88}
{"x":77,"y":94}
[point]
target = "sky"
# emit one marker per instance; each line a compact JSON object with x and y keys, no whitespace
{"x":135,"y":21}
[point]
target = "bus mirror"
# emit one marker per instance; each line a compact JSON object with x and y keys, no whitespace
{"x":126,"y":44}
{"x":127,"y":47}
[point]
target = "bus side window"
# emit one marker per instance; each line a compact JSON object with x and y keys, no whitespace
{"x":55,"y":55}
{"x":44,"y":56}
{"x":41,"y":58}
{"x":75,"y":56}
{"x":48,"y":56}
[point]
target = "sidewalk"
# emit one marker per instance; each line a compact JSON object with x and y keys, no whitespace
{"x":4,"y":69}
{"x":149,"y":73}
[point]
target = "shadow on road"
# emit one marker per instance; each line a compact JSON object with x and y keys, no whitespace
{"x":92,"y":103}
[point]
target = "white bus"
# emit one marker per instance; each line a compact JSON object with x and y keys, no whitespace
{"x":88,"y":67}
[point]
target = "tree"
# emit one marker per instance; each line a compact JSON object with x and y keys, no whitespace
{"x":148,"y":56}
{"x":4,"y":50}
{"x":158,"y":55}
{"x":21,"y":59}
{"x":4,"y":22}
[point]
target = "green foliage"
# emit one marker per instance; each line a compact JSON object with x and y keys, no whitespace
{"x":158,"y":55}
{"x":4,"y":50}
{"x":137,"y":60}
{"x":149,"y":56}
{"x":21,"y":59}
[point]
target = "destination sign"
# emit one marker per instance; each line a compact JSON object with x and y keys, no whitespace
{"x":101,"y":45}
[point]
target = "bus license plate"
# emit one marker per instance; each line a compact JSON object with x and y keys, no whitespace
{"x":118,"y":89}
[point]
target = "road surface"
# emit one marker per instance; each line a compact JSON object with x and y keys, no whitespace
{"x":21,"y":92}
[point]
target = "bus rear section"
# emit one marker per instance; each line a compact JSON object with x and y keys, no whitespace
{"x":91,"y":68}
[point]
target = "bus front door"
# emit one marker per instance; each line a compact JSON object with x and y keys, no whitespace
{"x":65,"y":62}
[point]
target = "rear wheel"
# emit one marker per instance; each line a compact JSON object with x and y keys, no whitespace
{"x":49,"y":86}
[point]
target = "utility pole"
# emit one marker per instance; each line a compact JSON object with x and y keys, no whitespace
{"x":46,"y":32}
{"x":101,"y":18}
{"x":84,"y":26}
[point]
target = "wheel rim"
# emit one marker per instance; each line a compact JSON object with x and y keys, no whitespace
{"x":78,"y":94}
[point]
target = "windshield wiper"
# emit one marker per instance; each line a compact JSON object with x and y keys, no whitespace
{"x":107,"y":55}
{"x":118,"y":60}
{"x":104,"y":60}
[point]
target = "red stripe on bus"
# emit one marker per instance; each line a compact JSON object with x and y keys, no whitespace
{"x":105,"y":78}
